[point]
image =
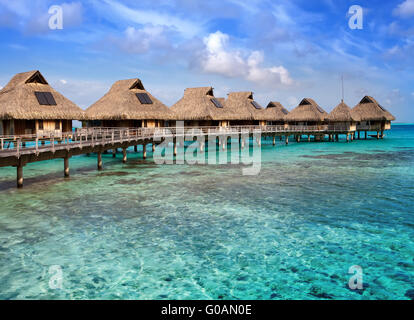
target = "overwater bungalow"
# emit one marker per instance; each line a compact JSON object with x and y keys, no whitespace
{"x":128,"y":104}
{"x":244,"y":110}
{"x":307,"y":113}
{"x":29,"y":105}
{"x":275,"y":113}
{"x":373,"y":117}
{"x":343,"y":118}
{"x":199,"y":107}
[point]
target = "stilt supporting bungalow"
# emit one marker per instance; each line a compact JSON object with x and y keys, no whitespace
{"x":66,"y":166}
{"x":144,"y":152}
{"x":20,"y":175}
{"x":124,"y":155}
{"x":100,"y":161}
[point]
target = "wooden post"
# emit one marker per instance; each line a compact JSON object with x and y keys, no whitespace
{"x":347,"y":137}
{"x":377,"y":135}
{"x":242,"y":143}
{"x":337,"y":137}
{"x":113,"y":153}
{"x":382,"y":134}
{"x":124,"y":155}
{"x":135,"y":148}
{"x":144,"y":152}
{"x":20,"y":175}
{"x":66,"y":166}
{"x":287,"y":140}
{"x":153,"y":147}
{"x":202,"y":147}
{"x":175,"y":147}
{"x":359,"y":135}
{"x":366,"y":135}
{"x":274,"y":140}
{"x":99,"y":161}
{"x":309,"y":137}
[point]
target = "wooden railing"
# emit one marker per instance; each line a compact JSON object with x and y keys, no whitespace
{"x":35,"y":143}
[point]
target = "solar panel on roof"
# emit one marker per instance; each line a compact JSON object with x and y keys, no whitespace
{"x":49,"y":98}
{"x":216,"y":103}
{"x":284,"y":111}
{"x":41,"y":98}
{"x":382,"y":108}
{"x":144,"y":98}
{"x":320,"y":109}
{"x":256,"y":105}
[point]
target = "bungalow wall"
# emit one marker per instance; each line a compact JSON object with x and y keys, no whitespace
{"x":21,"y":127}
{"x":124,"y":123}
{"x":373,"y":125}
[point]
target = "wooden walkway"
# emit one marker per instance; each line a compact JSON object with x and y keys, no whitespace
{"x":17,"y":151}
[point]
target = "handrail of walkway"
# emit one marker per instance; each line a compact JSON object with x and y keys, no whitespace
{"x":92,"y":136}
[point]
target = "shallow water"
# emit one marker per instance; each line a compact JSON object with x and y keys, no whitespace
{"x":144,"y":231}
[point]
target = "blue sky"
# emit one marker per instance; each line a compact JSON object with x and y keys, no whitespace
{"x":281,"y":50}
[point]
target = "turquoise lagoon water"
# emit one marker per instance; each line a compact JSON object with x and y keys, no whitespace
{"x":146,"y":231}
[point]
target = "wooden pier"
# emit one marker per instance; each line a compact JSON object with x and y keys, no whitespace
{"x":20,"y":150}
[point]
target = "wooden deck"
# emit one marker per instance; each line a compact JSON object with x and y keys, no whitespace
{"x":19,"y":150}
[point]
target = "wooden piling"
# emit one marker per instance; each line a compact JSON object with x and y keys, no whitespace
{"x":287,"y":140}
{"x":113,"y":153}
{"x":20,"y":175}
{"x":175,"y":148}
{"x":144,"y":151}
{"x":153,"y":147}
{"x":124,"y":155}
{"x":66,"y":167}
{"x":366,"y":135}
{"x":135,"y":148}
{"x":274,"y":140}
{"x":99,"y":161}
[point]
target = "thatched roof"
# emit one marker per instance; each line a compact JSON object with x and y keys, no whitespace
{"x":369,"y":109}
{"x":239,"y":106}
{"x":18,"y":100}
{"x":122,"y":102}
{"x":307,"y":110}
{"x":197,"y":104}
{"x":343,"y":113}
{"x":274,"y":112}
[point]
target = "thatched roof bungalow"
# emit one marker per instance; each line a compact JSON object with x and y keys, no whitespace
{"x":374,"y":117}
{"x":29,"y":105}
{"x":275,"y":113}
{"x":128,"y":104}
{"x":308,"y":112}
{"x":199,"y":107}
{"x":342,"y":117}
{"x":243,"y":109}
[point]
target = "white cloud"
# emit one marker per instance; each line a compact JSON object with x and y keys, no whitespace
{"x":218,"y":58}
{"x":405,"y":9}
{"x":144,"y":39}
{"x":63,"y":81}
{"x":185,"y":27}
